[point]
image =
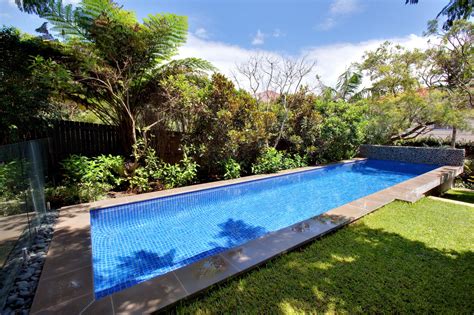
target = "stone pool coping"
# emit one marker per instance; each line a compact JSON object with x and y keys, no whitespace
{"x":66,"y":283}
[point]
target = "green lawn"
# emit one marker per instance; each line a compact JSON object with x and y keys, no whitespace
{"x":460,"y":195}
{"x":404,"y":258}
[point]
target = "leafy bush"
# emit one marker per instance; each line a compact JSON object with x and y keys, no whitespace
{"x":179,"y":174}
{"x":60,"y":196}
{"x":140,"y":180}
{"x":466,"y":179}
{"x":294,"y":161}
{"x":272,"y":160}
{"x":93,"y":177}
{"x":155,"y":174}
{"x":341,"y":130}
{"x":105,"y":169}
{"x":231,"y":169}
{"x":13,"y":179}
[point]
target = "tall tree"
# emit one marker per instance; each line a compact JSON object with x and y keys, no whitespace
{"x":282,"y":76}
{"x":118,"y":62}
{"x":449,"y":66}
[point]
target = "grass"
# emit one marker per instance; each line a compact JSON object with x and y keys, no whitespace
{"x":404,"y":258}
{"x":460,"y":195}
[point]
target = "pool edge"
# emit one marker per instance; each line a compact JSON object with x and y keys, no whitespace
{"x":66,"y":283}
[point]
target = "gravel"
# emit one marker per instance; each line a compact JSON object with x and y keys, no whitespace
{"x":21,"y":295}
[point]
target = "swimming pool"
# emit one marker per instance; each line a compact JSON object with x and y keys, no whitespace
{"x":135,"y":242}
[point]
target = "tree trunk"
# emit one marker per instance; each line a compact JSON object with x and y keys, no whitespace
{"x":453,"y":138}
{"x":127,"y":135}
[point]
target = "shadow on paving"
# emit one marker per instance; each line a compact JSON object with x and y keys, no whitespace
{"x":356,"y":270}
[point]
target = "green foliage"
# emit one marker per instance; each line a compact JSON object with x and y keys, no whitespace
{"x":228,"y":124}
{"x":60,"y":196}
{"x":14,"y":187}
{"x":118,"y":63}
{"x":466,"y":179}
{"x":179,"y":174}
{"x":93,"y":176}
{"x":231,"y":169}
{"x":341,"y":131}
{"x":13,"y":178}
{"x":24,"y":92}
{"x":156,"y":174}
{"x":271,"y":161}
{"x":399,"y":259}
{"x":140,"y":180}
{"x":392,"y":69}
{"x":293,"y":161}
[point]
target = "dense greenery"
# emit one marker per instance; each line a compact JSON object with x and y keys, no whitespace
{"x":14,"y":187}
{"x":271,"y":160}
{"x":117,"y":63}
{"x":24,"y":95}
{"x":397,"y":260}
{"x":124,"y":71}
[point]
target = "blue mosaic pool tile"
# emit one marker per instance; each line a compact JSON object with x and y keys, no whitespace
{"x":135,"y":242}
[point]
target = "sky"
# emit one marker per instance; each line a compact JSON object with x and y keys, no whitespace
{"x":334,"y":33}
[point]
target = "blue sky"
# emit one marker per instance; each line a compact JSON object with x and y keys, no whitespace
{"x":239,"y":28}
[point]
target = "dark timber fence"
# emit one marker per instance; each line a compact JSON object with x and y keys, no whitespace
{"x":69,"y":137}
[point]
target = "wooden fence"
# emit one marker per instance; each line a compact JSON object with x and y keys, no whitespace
{"x":89,"y":139}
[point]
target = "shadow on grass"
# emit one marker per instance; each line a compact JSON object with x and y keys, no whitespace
{"x":460,"y":195}
{"x":356,"y":270}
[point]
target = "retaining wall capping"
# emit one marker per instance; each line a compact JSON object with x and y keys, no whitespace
{"x":437,"y":156}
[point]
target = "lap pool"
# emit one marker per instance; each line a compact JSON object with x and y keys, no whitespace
{"x":138,"y":241}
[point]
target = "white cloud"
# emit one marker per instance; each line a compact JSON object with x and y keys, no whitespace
{"x":337,"y":10}
{"x":331,"y":60}
{"x":278,"y":33}
{"x":340,"y":7}
{"x":327,"y":24}
{"x":259,"y":38}
{"x":201,"y":33}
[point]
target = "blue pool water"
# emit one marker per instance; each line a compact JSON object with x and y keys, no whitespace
{"x":135,"y":242}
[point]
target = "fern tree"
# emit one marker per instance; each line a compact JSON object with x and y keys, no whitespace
{"x":117,"y":62}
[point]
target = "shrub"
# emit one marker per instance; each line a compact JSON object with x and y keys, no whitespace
{"x":466,"y":179}
{"x":294,"y":161}
{"x":60,"y":196}
{"x":231,"y":169}
{"x":104,"y":169}
{"x":179,"y":174}
{"x":140,"y":180}
{"x":93,"y":177}
{"x":13,"y":178}
{"x":272,"y":160}
{"x":156,"y":174}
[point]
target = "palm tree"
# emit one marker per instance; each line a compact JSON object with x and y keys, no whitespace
{"x":116,"y":62}
{"x":348,"y":86}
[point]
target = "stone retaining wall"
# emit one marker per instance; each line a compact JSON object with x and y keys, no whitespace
{"x":437,"y":156}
